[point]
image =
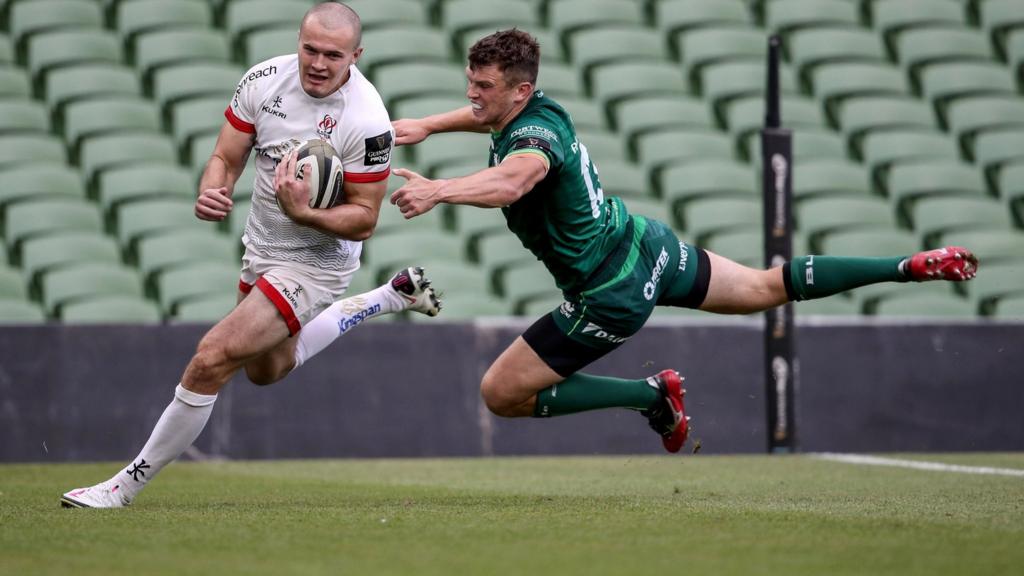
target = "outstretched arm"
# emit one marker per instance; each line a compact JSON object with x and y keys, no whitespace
{"x":410,"y":131}
{"x":222,"y":171}
{"x":490,"y":188}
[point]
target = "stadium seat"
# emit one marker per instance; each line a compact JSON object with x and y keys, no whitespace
{"x":136,"y":220}
{"x":558,"y":79}
{"x":702,"y":218}
{"x":237,"y":217}
{"x":602,"y":146}
{"x":160,"y":252}
{"x":651,"y":208}
{"x":427,"y":106}
{"x":75,"y":283}
{"x":200,"y":280}
{"x":567,"y":16}
{"x":242,"y":17}
{"x":934,"y":216}
{"x":196,"y":117}
{"x":390,"y":219}
{"x":386,"y":13}
{"x":20,"y":312}
{"x":994,"y":149}
{"x":714,"y":178}
{"x":720,"y":83}
{"x":39,"y":180}
{"x":468,"y":307}
{"x":167,"y":47}
{"x":106,"y":116}
{"x":12,"y":284}
{"x":111,"y":310}
{"x":816,"y":217}
{"x":990,"y":246}
{"x":64,"y":48}
{"x":393,"y":45}
{"x":922,"y":47}
{"x":1015,"y":54}
{"x":19,"y":116}
{"x":522,"y":281}
{"x":40,"y":254}
{"x":396,"y":82}
{"x":1011,"y":189}
{"x":808,"y":144}
{"x":28,"y":219}
{"x":870,"y":243}
{"x":135,"y":182}
{"x":834,"y":83}
{"x":211,"y":308}
{"x":109,"y":151}
{"x":968,"y":116}
{"x":656,"y":150}
{"x":925,"y":306}
{"x":607,"y":44}
{"x":890,"y":17}
{"x":834,"y":306}
{"x":141,"y":16}
{"x":672,"y":16}
{"x":14,"y":83}
{"x":390,"y":252}
{"x":104,"y":80}
{"x":454,"y":278}
{"x":7,"y":55}
{"x":460,"y":16}
{"x":994,"y":283}
{"x":585,"y":113}
{"x":882,"y":149}
{"x":644,"y":114}
{"x":860,"y":117}
{"x":28,"y":18}
{"x":626,"y":179}
{"x":743,"y":246}
{"x":910,"y":181}
{"x":268,"y":43}
{"x":831,"y":178}
{"x":943,"y":83}
{"x":183,"y":81}
{"x":440,"y":149}
{"x":613,"y":83}
{"x":746,"y":115}
{"x":472,"y":224}
{"x":496,"y":251}
{"x":1007,"y":308}
{"x":813,"y":47}
{"x":21,"y":149}
{"x":998,"y":17}
{"x":705,"y":46}
{"x":786,"y":16}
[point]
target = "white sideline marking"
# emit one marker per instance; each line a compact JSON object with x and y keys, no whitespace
{"x":916,"y":464}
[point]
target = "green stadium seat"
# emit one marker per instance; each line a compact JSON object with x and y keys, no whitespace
{"x":891,"y":17}
{"x":1011,"y":189}
{"x":860,"y":117}
{"x":111,"y":310}
{"x":209,"y":309}
{"x":450,"y":148}
{"x":103,"y":80}
{"x":20,"y":312}
{"x":106,"y":116}
{"x":160,"y":252}
{"x":999,"y":17}
{"x":808,"y":144}
{"x":7,"y":55}
{"x":389,"y":252}
{"x":619,"y":178}
{"x":567,"y":16}
{"x":656,"y":150}
{"x":472,"y":224}
{"x":616,"y":82}
{"x":168,"y":47}
{"x":942,"y":83}
{"x":702,"y":47}
{"x":925,"y":306}
{"x":14,"y":82}
{"x":990,"y":246}
{"x":454,"y":169}
{"x":542,"y":305}
{"x":672,"y":16}
{"x":586,"y":114}
{"x":870,"y":243}
{"x":28,"y":219}
{"x":558,"y":79}
{"x":834,"y":83}
{"x":268,"y":43}
{"x":496,"y":251}
{"x":994,"y":149}
{"x":39,"y":180}
{"x":715,"y":178}
{"x":811,"y":48}
{"x":65,"y":48}
{"x":645,"y":114}
{"x":41,"y":254}
{"x":12,"y":284}
{"x":522,"y":281}
{"x":182,"y":284}
{"x":834,"y":306}
{"x":135,"y":182}
{"x":831,"y":178}
{"x":245,"y":16}
{"x":702,"y":218}
{"x":994,"y":283}
{"x":1015,"y":54}
{"x":720,"y":83}
{"x":460,"y":16}
{"x":602,"y":145}
{"x":454,"y":279}
{"x":650,"y":208}
{"x":427,"y":106}
{"x":142,"y":218}
{"x":746,"y":115}
{"x":1006,"y":308}
{"x":787,"y":16}
{"x":390,"y":220}
{"x":883,"y":149}
{"x":817,"y":217}
{"x":28,"y":18}
{"x":198,"y":153}
{"x":743,"y":246}
{"x":925,"y":46}
{"x":393,"y":45}
{"x":909,"y":181}
{"x":195,"y":117}
{"x":468,"y":307}
{"x":396,"y":82}
{"x":142,"y":16}
{"x":237,"y":217}
{"x":174,"y":83}
{"x":75,"y":283}
{"x":386,"y":13}
{"x":607,"y":44}
{"x":20,"y":149}
{"x":18,"y":116}
{"x":114,"y":150}
{"x":934,"y":216}
{"x":967,"y":117}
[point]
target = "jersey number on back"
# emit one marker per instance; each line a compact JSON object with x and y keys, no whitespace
{"x":588,"y":168}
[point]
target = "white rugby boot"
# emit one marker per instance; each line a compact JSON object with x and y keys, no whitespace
{"x":414,"y":288}
{"x":103,"y":495}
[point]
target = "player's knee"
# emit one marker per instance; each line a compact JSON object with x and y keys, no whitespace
{"x":263,"y":374}
{"x":496,"y":397}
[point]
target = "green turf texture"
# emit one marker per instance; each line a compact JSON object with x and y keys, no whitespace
{"x":685,"y":515}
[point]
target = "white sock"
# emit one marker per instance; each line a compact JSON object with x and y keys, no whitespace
{"x":342,"y":316}
{"x":176,"y":430}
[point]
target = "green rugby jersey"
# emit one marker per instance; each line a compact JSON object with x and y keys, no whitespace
{"x":565,"y":220}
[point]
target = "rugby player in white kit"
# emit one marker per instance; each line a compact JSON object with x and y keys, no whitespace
{"x":300,"y":260}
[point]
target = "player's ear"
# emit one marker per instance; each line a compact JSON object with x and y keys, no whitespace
{"x":524,"y":91}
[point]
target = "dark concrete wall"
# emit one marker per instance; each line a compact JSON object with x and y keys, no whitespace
{"x":391,"y":389}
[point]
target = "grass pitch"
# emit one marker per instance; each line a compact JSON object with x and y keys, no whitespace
{"x":716,"y":515}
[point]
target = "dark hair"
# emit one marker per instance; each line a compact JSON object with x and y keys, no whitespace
{"x":514,"y":52}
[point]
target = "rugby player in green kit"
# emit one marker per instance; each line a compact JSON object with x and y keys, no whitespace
{"x":613,"y":268}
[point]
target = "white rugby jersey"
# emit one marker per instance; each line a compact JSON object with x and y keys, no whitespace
{"x":271,"y":104}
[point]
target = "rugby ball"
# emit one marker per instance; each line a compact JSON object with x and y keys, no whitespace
{"x":325,"y":173}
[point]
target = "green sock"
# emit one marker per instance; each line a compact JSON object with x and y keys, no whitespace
{"x":809,"y":277}
{"x":580,"y":392}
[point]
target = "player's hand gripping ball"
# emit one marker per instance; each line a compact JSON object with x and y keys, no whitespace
{"x":325,"y":173}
